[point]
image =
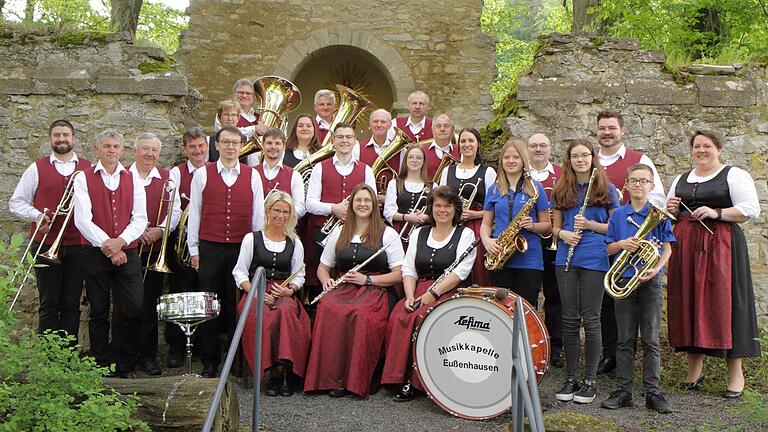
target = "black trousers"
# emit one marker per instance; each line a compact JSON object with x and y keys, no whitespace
{"x":60,"y":287}
{"x":524,"y":282}
{"x":608,"y":327}
{"x":180,"y":280}
{"x":153,"y":288}
{"x":102,"y":278}
{"x":553,"y":309}
{"x":215,"y":274}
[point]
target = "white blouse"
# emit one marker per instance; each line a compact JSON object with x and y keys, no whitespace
{"x":464,"y":267}
{"x":490,"y":175}
{"x":392,"y":247}
{"x":740,"y":185}
{"x":390,"y":199}
{"x":241,"y":270}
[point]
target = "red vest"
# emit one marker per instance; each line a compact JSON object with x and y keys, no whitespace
{"x":433,"y":161}
{"x":244,"y":122}
{"x":424,"y":134}
{"x":111,"y":209}
{"x":617,"y":172}
{"x":336,"y":187}
{"x":227,"y":210}
{"x":368,"y":156}
{"x":282,"y":179}
{"x":185,"y":178}
{"x":50,"y":188}
{"x":551,"y":180}
{"x":154,"y":193}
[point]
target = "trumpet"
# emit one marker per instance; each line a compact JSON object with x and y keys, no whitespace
{"x":64,"y":208}
{"x":466,"y":203}
{"x":331,"y":224}
{"x":408,"y":227}
{"x":168,"y":196}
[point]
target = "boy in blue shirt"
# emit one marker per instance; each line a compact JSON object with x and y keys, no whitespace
{"x":642,"y":308}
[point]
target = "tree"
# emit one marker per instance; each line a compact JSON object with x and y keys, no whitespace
{"x":125,"y":15}
{"x":585,"y":17}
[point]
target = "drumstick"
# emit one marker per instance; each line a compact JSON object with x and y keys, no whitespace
{"x":700,"y":221}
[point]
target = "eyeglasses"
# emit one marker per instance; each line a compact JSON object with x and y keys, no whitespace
{"x":281,"y":212}
{"x":581,"y":156}
{"x":243,"y":93}
{"x":642,"y":181}
{"x":229,"y":143}
{"x":346,"y":137}
{"x":230,"y":115}
{"x":538,"y":146}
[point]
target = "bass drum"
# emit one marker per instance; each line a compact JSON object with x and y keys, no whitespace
{"x":463,"y":353}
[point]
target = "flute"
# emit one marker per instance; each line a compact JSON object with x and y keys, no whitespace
{"x":447,"y":271}
{"x":340,"y":280}
{"x":583,"y":209}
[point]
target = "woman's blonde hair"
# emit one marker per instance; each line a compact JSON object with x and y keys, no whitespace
{"x":274,"y":197}
{"x":502,"y":181}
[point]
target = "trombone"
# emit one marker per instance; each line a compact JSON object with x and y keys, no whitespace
{"x":64,"y":208}
{"x":168,"y":195}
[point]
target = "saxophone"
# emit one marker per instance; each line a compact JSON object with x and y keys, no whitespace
{"x":510,"y":239}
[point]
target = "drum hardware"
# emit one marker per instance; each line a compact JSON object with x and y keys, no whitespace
{"x":356,"y":268}
{"x":160,"y":265}
{"x":188,"y":310}
{"x":700,"y":221}
{"x":583,"y":209}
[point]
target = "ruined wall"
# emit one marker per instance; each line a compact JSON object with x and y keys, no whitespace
{"x":574,"y":78}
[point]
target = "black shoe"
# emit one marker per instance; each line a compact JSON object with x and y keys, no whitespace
{"x":556,"y":361}
{"x":656,"y":402}
{"x":565,"y":394}
{"x":730,"y":394}
{"x":273,"y":386}
{"x":586,"y":393}
{"x":150,"y":367}
{"x":693,"y":385}
{"x":175,"y":359}
{"x":405,"y":394}
{"x":607,"y":364}
{"x":127,"y":375}
{"x":210,"y":370}
{"x":337,"y":393}
{"x":619,"y":399}
{"x":285,"y":389}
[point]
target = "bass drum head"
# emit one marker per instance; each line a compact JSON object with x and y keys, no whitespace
{"x":463,"y":353}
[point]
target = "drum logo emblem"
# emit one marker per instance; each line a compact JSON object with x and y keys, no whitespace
{"x":469,"y":322}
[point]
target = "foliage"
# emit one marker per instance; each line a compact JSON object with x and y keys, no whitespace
{"x":712,"y":31}
{"x":44,"y":383}
{"x":161,"y":26}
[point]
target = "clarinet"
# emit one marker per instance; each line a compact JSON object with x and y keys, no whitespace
{"x":356,"y":268}
{"x":583,"y":209}
{"x":448,"y":270}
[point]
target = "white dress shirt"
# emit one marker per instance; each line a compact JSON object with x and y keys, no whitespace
{"x":741,"y":187}
{"x":155,"y":174}
{"x":542,"y":175}
{"x":393,"y":247}
{"x":461,"y":173}
{"x":297,"y":186}
{"x":440,"y":150}
{"x":464,"y":267}
{"x":317,"y":207}
{"x":229,"y":176}
{"x":390,"y":199}
{"x":657,"y":194}
{"x":20,"y":203}
{"x":414,"y":127}
{"x":322,"y":124}
{"x":83,"y":207}
{"x":175,"y":175}
{"x":242,"y":268}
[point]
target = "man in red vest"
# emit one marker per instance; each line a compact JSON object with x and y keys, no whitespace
{"x":183,"y":279}
{"x":368,"y":151}
{"x":547,"y":173}
{"x":244,"y":94}
{"x":110,"y":212}
{"x":324,"y":105}
{"x":417,"y":125}
{"x":158,"y":191}
{"x":42,"y":186}
{"x":226,"y":202}
{"x":274,"y":174}
{"x":442,"y":128}
{"x":615,"y":157}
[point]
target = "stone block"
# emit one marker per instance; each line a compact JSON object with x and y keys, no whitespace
{"x":655,"y":92}
{"x":552,"y":89}
{"x":649,"y":56}
{"x":762,"y":127}
{"x":13,"y":86}
{"x":164,"y":84}
{"x":626,"y":44}
{"x":721,"y":91}
{"x":704,"y":69}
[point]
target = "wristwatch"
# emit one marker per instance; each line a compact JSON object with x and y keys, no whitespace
{"x":719,"y":213}
{"x":368,"y":280}
{"x":434,"y":292}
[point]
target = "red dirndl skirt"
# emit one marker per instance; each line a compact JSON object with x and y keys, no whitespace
{"x":480,"y":275}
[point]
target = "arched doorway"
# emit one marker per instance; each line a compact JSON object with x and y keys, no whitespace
{"x":349,"y":66}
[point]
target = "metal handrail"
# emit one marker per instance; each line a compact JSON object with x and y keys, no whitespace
{"x":259,"y":281}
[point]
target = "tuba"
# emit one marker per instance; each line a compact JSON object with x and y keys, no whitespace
{"x":510,"y":239}
{"x":645,"y":257}
{"x":351,"y":105}
{"x":278,"y":97}
{"x":182,"y":252}
{"x":380,"y":165}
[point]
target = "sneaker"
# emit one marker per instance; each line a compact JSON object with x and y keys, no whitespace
{"x":586,"y":393}
{"x":566,"y":393}
{"x":656,"y":402}
{"x":618,"y":399}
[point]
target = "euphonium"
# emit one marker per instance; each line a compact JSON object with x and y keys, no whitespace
{"x":182,"y":252}
{"x":645,"y":257}
{"x":166,"y":197}
{"x":278,"y":97}
{"x":380,"y":165}
{"x":510,"y":240}
{"x":351,"y":105}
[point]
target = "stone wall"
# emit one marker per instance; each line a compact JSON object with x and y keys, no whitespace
{"x":93,"y":81}
{"x":435,"y":45}
{"x":574,"y":78}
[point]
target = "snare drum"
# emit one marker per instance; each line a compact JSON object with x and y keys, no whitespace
{"x":463,"y":353}
{"x":188,"y":307}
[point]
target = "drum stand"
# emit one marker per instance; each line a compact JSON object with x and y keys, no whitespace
{"x":189,"y":327}
{"x":525,"y":390}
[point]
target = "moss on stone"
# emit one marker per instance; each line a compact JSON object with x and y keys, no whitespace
{"x":68,"y":39}
{"x":678,"y":77}
{"x":569,"y":421}
{"x":493,"y":134}
{"x":155,"y":66}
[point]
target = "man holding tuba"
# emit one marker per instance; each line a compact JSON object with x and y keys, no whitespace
{"x":367,"y":151}
{"x":159,"y":191}
{"x":324,"y":106}
{"x":248,"y":121}
{"x":42,"y":186}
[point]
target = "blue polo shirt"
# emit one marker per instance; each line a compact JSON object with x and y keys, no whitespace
{"x":619,"y":228}
{"x":591,"y":252}
{"x":532,"y":259}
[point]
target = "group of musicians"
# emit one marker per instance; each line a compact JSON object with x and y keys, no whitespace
{"x":378,"y":252}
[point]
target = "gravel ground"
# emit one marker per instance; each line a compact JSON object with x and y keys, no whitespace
{"x":380,"y":413}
